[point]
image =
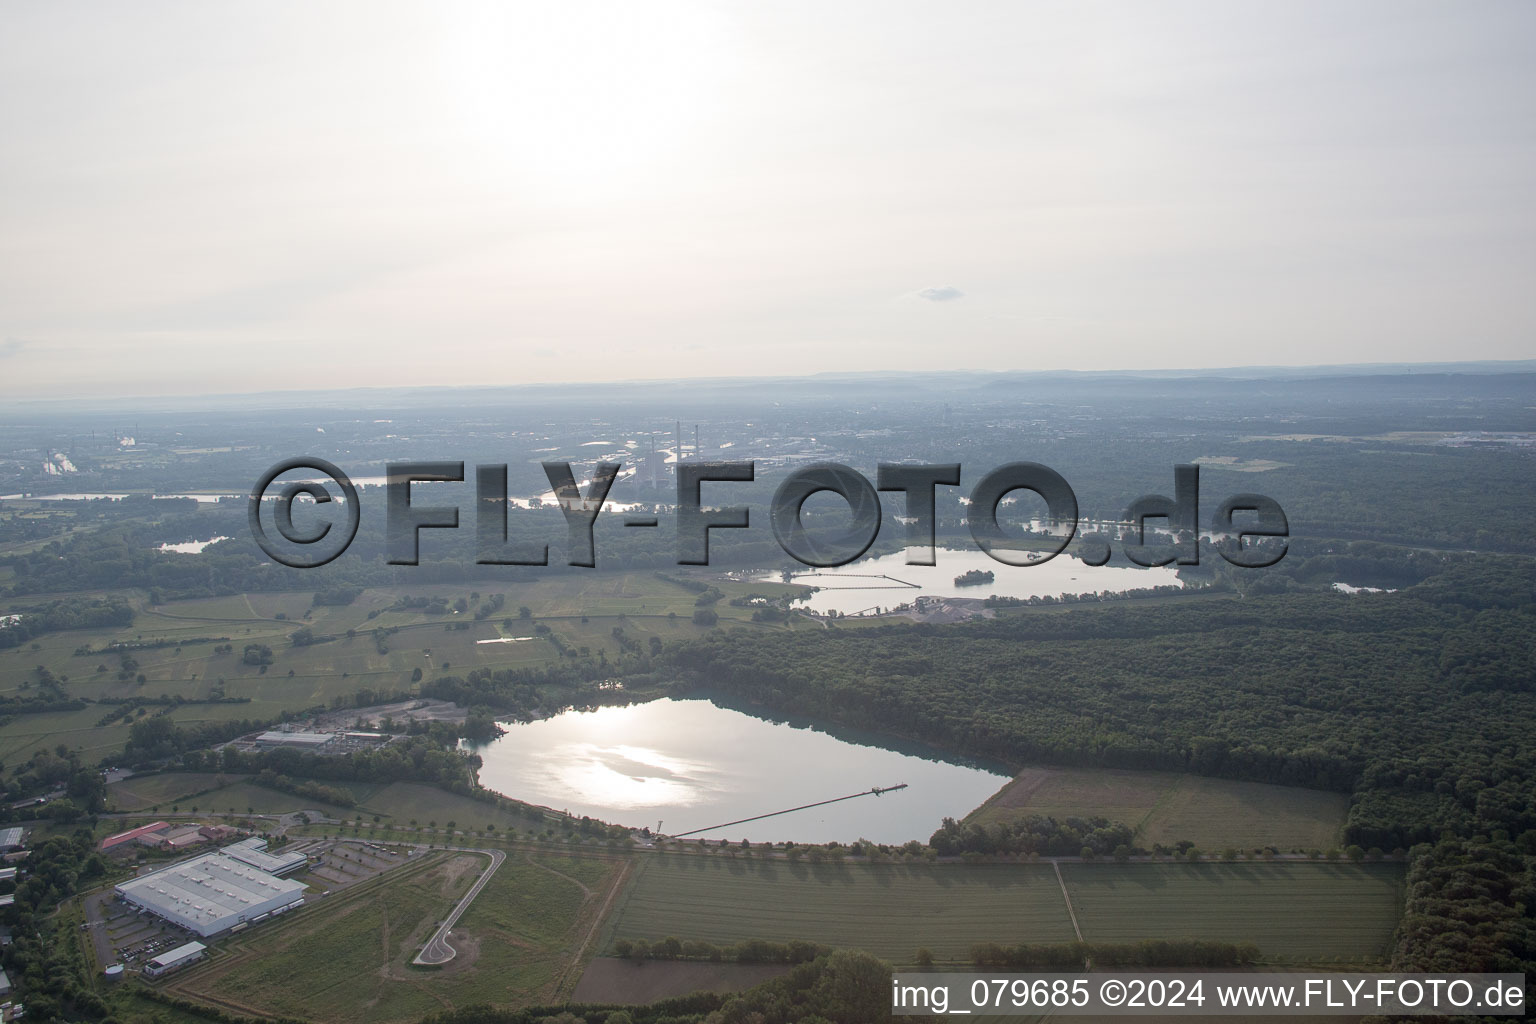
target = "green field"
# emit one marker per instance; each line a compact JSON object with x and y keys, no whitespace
{"x":401,"y":803}
{"x":347,"y":959}
{"x":395,"y":803}
{"x":143,"y":792}
{"x":1165,"y":807}
{"x":1294,"y":910}
{"x":890,"y":910}
{"x":582,"y":609}
{"x":1303,"y":911}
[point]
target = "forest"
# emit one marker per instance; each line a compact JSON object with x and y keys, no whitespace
{"x":1418,"y":703}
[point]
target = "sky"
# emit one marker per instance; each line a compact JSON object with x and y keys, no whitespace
{"x":208,"y":198}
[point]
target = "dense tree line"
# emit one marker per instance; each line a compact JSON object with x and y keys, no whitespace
{"x":1036,"y":835}
{"x":37,"y":705}
{"x":523,"y":693}
{"x":157,"y":738}
{"x":48,"y":772}
{"x":44,"y":960}
{"x":1471,"y":906}
{"x":69,"y":613}
{"x":748,"y":951}
{"x":426,"y":757}
{"x":1071,"y":956}
{"x":306,"y":788}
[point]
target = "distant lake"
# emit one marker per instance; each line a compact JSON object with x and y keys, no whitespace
{"x":1345,"y":588}
{"x":888,"y":581}
{"x":693,"y":763}
{"x":190,"y":547}
{"x":107,"y":496}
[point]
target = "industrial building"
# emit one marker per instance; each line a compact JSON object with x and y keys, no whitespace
{"x":163,"y":835}
{"x":172,"y":959}
{"x":302,"y":740}
{"x":183,"y":837}
{"x":211,"y":894}
{"x":148,"y":835}
{"x":253,"y":851}
{"x":11,"y":839}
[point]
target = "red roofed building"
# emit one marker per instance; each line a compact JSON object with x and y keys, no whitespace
{"x":132,"y":834}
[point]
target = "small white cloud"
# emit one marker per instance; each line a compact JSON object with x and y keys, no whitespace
{"x":944,"y":294}
{"x":10,"y":346}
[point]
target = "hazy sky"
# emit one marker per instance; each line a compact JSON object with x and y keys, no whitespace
{"x":200,"y":198}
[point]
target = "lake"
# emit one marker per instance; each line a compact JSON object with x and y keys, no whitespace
{"x":190,"y":547}
{"x":693,"y":763}
{"x":108,"y":496}
{"x":888,"y":581}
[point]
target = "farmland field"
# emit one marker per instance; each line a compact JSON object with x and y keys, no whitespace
{"x":1303,"y":911}
{"x":1165,"y":807}
{"x":347,"y":960}
{"x":610,"y":980}
{"x":141,"y":792}
{"x":402,"y":802}
{"x":396,"y":803}
{"x":890,"y":910}
{"x":1292,"y":910}
{"x":259,"y":800}
{"x":582,"y":610}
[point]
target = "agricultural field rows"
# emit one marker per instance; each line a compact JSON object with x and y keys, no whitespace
{"x":1301,"y":911}
{"x":889,"y":910}
{"x":1166,"y":807}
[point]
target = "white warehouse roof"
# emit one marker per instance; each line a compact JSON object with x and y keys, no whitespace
{"x":211,"y":893}
{"x":253,"y":851}
{"x":179,"y":955}
{"x":298,"y":739}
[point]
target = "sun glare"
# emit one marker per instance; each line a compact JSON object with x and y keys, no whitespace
{"x":597,"y":103}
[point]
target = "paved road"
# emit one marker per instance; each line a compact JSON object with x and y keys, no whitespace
{"x":437,"y":950}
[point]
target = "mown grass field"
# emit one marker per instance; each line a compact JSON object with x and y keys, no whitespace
{"x":142,"y":792}
{"x":401,"y":803}
{"x":1305,"y":910}
{"x":1300,"y":911}
{"x":582,"y":609}
{"x":1166,"y":807}
{"x":394,"y":803}
{"x":890,"y":910}
{"x":346,"y":959}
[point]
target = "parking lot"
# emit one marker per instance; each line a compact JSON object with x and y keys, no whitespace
{"x":344,"y":863}
{"x":121,"y":933}
{"x":126,"y":935}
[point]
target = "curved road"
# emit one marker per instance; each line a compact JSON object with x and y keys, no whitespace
{"x":437,"y":951}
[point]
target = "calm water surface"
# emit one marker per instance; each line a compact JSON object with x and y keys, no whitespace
{"x":888,"y":581}
{"x":691,"y":764}
{"x":190,"y":547}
